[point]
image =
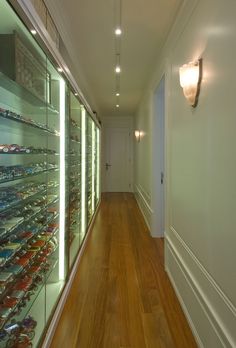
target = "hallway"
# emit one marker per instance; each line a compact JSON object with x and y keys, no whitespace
{"x":121,"y":296}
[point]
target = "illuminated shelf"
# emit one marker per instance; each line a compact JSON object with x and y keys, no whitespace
{"x":25,"y":311}
{"x":22,"y":92}
{"x":27,"y":199}
{"x":31,"y":153}
{"x":29,"y":175}
{"x":30,"y":124}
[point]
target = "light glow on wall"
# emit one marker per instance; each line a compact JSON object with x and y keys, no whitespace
{"x":137,"y":134}
{"x":118,"y":31}
{"x":118,"y":69}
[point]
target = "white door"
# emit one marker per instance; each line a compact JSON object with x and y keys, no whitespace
{"x":117,"y":161}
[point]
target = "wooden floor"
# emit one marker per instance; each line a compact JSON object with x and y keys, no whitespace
{"x":121,"y":296}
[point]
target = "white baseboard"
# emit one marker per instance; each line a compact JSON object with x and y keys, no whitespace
{"x":144,"y":206}
{"x":210,"y":313}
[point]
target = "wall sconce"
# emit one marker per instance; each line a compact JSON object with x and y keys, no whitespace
{"x":190,"y":76}
{"x":137,"y":134}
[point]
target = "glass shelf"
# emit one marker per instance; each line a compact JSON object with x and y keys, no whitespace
{"x":22,"y":247}
{"x":75,"y":141}
{"x":25,"y":200}
{"x":33,"y":297}
{"x":27,"y":154}
{"x":28,"y":175}
{"x":22,"y":92}
{"x":27,"y":220}
{"x":28,"y":123}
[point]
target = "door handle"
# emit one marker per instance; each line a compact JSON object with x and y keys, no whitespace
{"x":107,"y":165}
{"x":162,"y":177}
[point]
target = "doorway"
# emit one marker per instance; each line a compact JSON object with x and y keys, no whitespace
{"x":158,"y":162}
{"x":117,"y":160}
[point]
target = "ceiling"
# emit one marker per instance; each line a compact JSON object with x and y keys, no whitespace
{"x":87,"y":29}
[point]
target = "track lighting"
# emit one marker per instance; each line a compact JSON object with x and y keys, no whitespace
{"x":118,"y":32}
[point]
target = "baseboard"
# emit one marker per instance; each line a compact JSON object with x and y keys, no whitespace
{"x":57,"y":314}
{"x":185,"y":309}
{"x":210,"y":313}
{"x":144,"y":206}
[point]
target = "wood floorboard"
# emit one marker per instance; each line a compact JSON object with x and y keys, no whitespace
{"x":121,"y":296}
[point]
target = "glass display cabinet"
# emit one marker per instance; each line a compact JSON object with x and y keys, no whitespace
{"x":97,"y":178}
{"x":89,"y":168}
{"x":92,"y":168}
{"x":75,"y":185}
{"x":32,"y":183}
{"x":49,"y":183}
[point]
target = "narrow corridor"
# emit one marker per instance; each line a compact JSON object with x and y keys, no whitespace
{"x":121,"y":296}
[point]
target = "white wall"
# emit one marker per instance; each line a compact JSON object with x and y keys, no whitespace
{"x":201,"y":168}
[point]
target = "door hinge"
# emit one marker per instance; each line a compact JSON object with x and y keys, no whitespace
{"x":162,"y":177}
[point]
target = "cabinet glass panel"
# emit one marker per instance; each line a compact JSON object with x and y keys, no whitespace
{"x":57,"y":114}
{"x":32,"y":184}
{"x":83,"y":172}
{"x":89,"y":168}
{"x":75,"y":224}
{"x":97,"y":159}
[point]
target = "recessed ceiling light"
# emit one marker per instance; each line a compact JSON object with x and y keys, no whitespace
{"x":59,"y":69}
{"x":117,"y":105}
{"x":118,"y":69}
{"x":118,"y":31}
{"x":117,"y":94}
{"x":33,"y":31}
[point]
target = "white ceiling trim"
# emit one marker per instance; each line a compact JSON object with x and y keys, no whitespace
{"x":62,"y":29}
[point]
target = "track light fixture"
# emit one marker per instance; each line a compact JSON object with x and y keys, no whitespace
{"x":118,"y":32}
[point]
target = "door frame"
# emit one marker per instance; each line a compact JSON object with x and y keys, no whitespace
{"x":158,"y":198}
{"x":121,"y":122}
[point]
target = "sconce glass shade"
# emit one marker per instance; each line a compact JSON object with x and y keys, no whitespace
{"x":137,"y":135}
{"x":189,"y":75}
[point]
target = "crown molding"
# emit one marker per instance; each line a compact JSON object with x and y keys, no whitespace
{"x":62,"y":28}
